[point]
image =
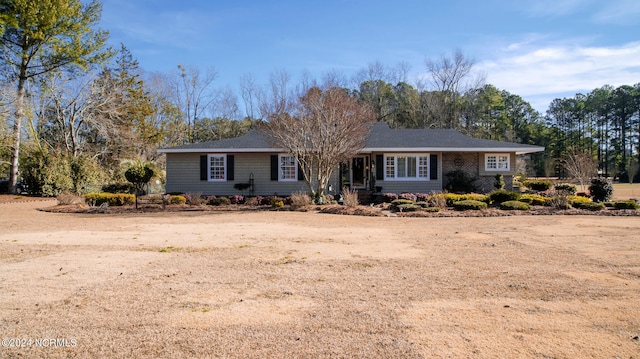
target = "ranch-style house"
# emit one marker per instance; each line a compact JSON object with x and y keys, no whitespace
{"x":392,"y":160}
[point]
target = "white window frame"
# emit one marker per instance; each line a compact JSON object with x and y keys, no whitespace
{"x":224,"y":167}
{"x":281,"y":177}
{"x":392,"y":167}
{"x":497,"y":162}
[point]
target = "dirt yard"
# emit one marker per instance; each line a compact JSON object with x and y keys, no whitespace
{"x":309,"y":285}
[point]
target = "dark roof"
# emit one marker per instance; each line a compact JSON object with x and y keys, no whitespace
{"x":252,"y":141}
{"x":381,"y":139}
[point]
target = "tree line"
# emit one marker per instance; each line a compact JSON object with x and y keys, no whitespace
{"x":72,"y":109}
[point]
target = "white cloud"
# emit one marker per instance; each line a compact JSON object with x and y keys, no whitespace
{"x":557,"y":71}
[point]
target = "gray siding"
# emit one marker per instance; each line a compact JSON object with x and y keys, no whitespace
{"x":183,"y":175}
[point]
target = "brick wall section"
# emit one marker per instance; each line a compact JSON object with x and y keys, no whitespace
{"x":470,"y":164}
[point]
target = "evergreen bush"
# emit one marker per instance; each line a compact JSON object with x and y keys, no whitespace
{"x":112,"y":199}
{"x":591,"y":206}
{"x":502,"y":195}
{"x":469,"y":204}
{"x":567,"y":187}
{"x":514,"y":205}
{"x":625,"y":204}
{"x":601,"y":189}
{"x":537,"y":185}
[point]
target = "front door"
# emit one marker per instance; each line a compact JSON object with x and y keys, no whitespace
{"x":359,"y":172}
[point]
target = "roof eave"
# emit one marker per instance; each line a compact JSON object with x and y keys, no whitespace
{"x":517,"y":150}
{"x":220,"y":150}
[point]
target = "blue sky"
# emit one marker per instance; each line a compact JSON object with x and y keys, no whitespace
{"x":538,"y":49}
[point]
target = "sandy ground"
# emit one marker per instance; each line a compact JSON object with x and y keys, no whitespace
{"x":309,"y":285}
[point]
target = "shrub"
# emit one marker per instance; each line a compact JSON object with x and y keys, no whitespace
{"x":46,"y":173}
{"x":276,"y":202}
{"x":119,"y":188}
{"x":422,"y":197}
{"x":410,"y":196}
{"x":469,"y":204}
{"x":219,"y":201}
{"x":567,"y":187}
{"x":194,"y":199}
{"x":459,"y":181}
{"x":408,"y":207}
{"x":251,"y":201}
{"x":389,"y":197}
{"x":432,"y":209}
{"x":177,"y":199}
{"x":502,"y":195}
{"x":537,"y":185}
{"x":350,"y":197}
{"x":423,"y":204}
{"x":451,"y":198}
{"x":534,"y":199}
{"x":112,"y":199}
{"x":591,"y":206}
{"x":66,"y":198}
{"x":601,"y":189}
{"x":559,"y":200}
{"x":514,"y":205}
{"x":578,"y":199}
{"x":476,"y":197}
{"x":499,"y":184}
{"x":139,"y":173}
{"x":236,"y":199}
{"x":395,"y":205}
{"x":625,"y":204}
{"x":300,"y":199}
{"x":437,"y":200}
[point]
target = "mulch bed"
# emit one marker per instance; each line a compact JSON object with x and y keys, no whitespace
{"x":370,"y":211}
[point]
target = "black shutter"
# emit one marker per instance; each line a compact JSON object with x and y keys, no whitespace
{"x":300,"y":174}
{"x":230,"y":168}
{"x":379,"y":167}
{"x":433,"y":167}
{"x":204,"y":176}
{"x":274,"y":167}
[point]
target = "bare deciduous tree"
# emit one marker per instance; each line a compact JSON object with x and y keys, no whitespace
{"x":450,"y":78}
{"x":321,"y":129}
{"x":581,"y":165}
{"x":193,"y":94}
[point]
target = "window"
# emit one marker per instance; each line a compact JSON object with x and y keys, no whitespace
{"x":497,"y":162}
{"x":288,"y":170}
{"x":407,"y":167}
{"x":217,"y":168}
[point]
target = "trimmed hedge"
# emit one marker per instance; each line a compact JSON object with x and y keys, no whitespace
{"x":534,"y":199}
{"x":590,"y":206}
{"x":469,"y":204}
{"x":112,"y":199}
{"x":577,"y":200}
{"x":451,"y":198}
{"x":514,"y":205}
{"x":502,"y":195}
{"x":625,"y":205}
{"x":566,"y":187}
{"x":537,"y":185}
{"x":408,"y":207}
